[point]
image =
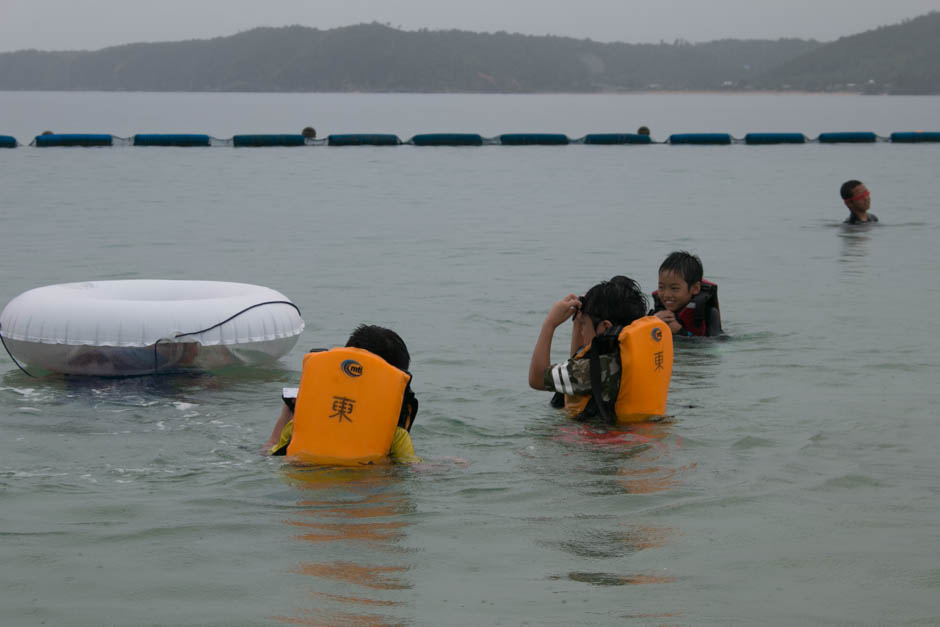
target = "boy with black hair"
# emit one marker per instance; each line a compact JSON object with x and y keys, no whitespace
{"x":385,"y":344}
{"x":616,"y":302}
{"x":858,"y":199}
{"x":595,"y":367}
{"x":684,"y":300}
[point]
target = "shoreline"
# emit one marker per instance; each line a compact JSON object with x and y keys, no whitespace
{"x":722,"y":92}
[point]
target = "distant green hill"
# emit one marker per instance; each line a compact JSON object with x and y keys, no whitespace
{"x":904,"y":58}
{"x":376,"y":58}
{"x":900,"y":59}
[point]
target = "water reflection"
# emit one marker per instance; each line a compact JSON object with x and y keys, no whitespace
{"x":652,"y":473}
{"x":697,"y":359}
{"x":621,"y":460}
{"x":641,"y":464}
{"x":856,"y":241}
{"x":632,"y":459}
{"x":621,"y":540}
{"x":352,"y":521}
{"x":144,"y":388}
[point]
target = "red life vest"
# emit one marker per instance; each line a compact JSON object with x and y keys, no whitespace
{"x":694,"y":316}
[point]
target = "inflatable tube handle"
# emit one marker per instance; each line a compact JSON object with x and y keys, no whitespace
{"x":175,"y":338}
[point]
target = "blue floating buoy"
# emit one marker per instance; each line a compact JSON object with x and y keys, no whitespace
{"x":608,"y":139}
{"x":363,"y":139}
{"x":73,"y":139}
{"x":447,"y":139}
{"x":848,"y":138}
{"x":774,"y":138}
{"x":7,"y":142}
{"x":533,"y":139}
{"x":915,"y":137}
{"x":464,"y":139}
{"x":267,"y":140}
{"x":701,"y":139}
{"x":170,"y":139}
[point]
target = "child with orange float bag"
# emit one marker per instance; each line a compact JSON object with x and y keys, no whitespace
{"x":354,"y":405}
{"x":621,"y":360}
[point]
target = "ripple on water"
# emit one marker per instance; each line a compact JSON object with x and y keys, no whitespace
{"x":850,"y":482}
{"x":752,"y":442}
{"x":613,"y":579}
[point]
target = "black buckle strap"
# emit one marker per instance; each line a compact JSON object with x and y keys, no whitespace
{"x":409,"y":409}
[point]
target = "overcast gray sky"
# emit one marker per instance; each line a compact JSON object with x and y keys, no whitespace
{"x":94,"y":24}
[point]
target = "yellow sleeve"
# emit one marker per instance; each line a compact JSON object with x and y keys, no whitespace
{"x":402,"y":448}
{"x":281,"y":447}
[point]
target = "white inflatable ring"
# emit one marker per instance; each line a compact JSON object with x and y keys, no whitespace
{"x":116,"y":328}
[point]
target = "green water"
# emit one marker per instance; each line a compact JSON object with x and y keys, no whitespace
{"x":795,"y":483}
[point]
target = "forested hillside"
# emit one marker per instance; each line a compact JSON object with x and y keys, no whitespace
{"x":904,"y":58}
{"x":900,"y":59}
{"x":377,"y":58}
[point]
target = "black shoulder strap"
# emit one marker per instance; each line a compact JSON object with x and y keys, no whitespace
{"x":701,"y":305}
{"x":657,"y":304}
{"x":606,"y":343}
{"x":705,"y":301}
{"x":596,"y":391}
{"x":714,"y":322}
{"x":409,"y":409}
{"x":713,"y":295}
{"x":711,"y":292}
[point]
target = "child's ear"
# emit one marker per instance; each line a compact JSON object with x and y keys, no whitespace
{"x":696,"y":288}
{"x":603,"y":326}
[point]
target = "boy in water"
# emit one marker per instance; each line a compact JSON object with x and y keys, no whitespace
{"x":384,"y":343}
{"x":608,"y":305}
{"x":684,"y":301}
{"x":858,"y":199}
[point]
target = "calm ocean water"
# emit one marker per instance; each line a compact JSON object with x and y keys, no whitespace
{"x":797,"y":481}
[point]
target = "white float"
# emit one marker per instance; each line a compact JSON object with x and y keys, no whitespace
{"x":118,"y":328}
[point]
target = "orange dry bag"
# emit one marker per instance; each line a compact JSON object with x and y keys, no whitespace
{"x":347,"y":407}
{"x":644,"y":351}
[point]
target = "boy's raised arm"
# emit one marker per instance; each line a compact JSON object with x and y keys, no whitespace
{"x":542,"y":353}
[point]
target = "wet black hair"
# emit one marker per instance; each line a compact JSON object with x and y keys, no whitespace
{"x":846,"y":190}
{"x":684,"y":264}
{"x":619,"y":300}
{"x":383,"y":342}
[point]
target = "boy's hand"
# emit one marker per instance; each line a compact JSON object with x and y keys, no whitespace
{"x":541,"y":354}
{"x":563,"y":309}
{"x":669,"y":318}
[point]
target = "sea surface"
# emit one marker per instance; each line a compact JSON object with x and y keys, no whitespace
{"x":797,"y":480}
